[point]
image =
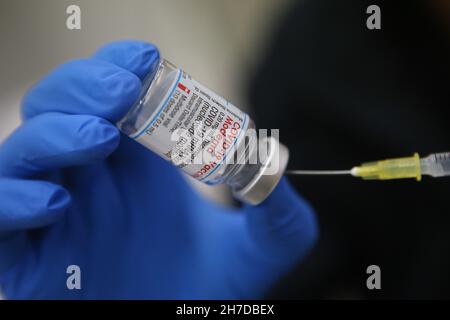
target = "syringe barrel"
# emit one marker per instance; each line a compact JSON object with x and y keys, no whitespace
{"x":436,"y":164}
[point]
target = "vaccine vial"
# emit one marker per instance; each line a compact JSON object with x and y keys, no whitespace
{"x":203,"y":134}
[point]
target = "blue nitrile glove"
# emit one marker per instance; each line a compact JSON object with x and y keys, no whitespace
{"x":73,"y":191}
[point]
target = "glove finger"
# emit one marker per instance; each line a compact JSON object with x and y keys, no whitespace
{"x":27,"y":204}
{"x":24,"y":205}
{"x":279,"y":232}
{"x":54,"y":140}
{"x":85,"y":86}
{"x":138,"y":57}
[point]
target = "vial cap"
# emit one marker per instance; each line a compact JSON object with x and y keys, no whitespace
{"x":268,"y":176}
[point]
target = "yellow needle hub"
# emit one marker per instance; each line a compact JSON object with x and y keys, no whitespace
{"x":396,"y":168}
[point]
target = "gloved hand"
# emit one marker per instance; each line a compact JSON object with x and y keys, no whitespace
{"x":73,"y":191}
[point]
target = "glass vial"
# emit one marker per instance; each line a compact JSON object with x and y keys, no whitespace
{"x":204,"y":135}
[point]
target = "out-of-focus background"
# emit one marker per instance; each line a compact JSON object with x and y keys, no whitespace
{"x":217,"y":41}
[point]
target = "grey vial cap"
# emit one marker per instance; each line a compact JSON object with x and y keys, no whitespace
{"x":268,"y":176}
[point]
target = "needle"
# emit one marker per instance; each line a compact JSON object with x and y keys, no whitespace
{"x":318,"y":172}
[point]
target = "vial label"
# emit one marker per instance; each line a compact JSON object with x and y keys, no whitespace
{"x":195,"y":128}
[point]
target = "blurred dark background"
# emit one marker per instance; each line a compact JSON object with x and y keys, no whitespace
{"x":342,"y":94}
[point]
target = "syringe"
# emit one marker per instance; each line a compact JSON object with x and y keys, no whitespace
{"x":435,"y":165}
